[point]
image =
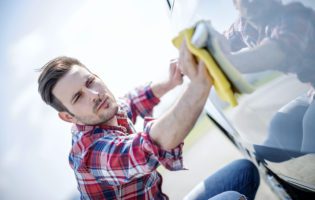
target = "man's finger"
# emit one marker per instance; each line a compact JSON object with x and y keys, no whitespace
{"x":203,"y":69}
{"x":187,"y":55}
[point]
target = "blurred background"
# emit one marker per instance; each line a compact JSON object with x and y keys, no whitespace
{"x":127,"y":43}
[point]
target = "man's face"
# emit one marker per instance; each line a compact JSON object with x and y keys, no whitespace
{"x":86,"y":97}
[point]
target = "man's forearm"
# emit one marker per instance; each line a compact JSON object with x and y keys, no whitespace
{"x":267,"y":56}
{"x":161,"y":88}
{"x":172,"y":128}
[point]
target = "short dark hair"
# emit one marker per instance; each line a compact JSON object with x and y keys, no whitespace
{"x":50,"y":75}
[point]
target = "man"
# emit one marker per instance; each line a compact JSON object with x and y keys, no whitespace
{"x":110,"y":159}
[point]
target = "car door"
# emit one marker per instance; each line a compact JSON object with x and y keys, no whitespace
{"x":274,"y":123}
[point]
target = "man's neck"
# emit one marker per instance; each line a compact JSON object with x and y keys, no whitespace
{"x":112,"y":122}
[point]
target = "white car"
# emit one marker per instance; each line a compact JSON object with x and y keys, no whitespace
{"x":269,"y":45}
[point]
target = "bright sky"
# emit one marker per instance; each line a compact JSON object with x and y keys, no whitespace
{"x":126,"y":42}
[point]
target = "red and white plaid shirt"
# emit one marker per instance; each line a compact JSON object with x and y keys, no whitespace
{"x":115,"y":162}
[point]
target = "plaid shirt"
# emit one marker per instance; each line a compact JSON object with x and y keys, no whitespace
{"x":115,"y":162}
{"x":292,"y":26}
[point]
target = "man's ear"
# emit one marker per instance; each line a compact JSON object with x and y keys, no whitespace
{"x":65,"y":116}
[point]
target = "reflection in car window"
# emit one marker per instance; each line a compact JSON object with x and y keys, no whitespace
{"x":284,"y":33}
{"x":272,"y":43}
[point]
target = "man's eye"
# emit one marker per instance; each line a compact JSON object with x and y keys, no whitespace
{"x":77,"y":98}
{"x":90,"y":81}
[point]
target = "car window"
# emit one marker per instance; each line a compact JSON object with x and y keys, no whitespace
{"x":271,"y":44}
{"x":283,"y":78}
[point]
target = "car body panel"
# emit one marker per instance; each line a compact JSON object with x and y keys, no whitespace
{"x":251,"y":124}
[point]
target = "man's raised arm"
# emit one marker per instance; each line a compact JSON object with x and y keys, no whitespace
{"x":173,"y":127}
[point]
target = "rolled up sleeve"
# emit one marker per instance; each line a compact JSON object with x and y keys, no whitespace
{"x":171,"y":160}
{"x":139,"y":101}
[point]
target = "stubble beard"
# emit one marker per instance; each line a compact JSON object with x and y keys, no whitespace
{"x":103,"y":118}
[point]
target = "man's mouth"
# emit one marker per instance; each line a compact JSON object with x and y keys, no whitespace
{"x":102,"y":103}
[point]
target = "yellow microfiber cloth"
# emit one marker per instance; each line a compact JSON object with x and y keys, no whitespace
{"x":220,"y":82}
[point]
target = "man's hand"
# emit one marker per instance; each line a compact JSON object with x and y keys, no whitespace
{"x":175,"y":78}
{"x":175,"y":74}
{"x":172,"y":128}
{"x":195,"y":70}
